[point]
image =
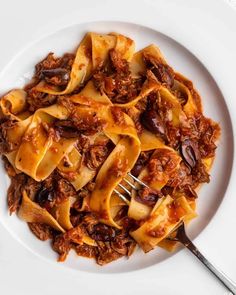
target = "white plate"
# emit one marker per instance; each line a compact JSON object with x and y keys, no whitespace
{"x":19,"y":69}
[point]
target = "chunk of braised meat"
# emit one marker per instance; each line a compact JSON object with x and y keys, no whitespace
{"x":122,"y":244}
{"x":115,"y":80}
{"x":76,"y":217}
{"x":96,"y":155}
{"x":41,"y":230}
{"x":89,"y":221}
{"x":55,"y":70}
{"x":66,"y":129}
{"x":209,"y":134}
{"x":37,"y":99}
{"x":106,"y":254}
{"x":200,"y":174}
{"x":83,"y":143}
{"x":64,"y":190}
{"x":161,"y":166}
{"x":6,"y":146}
{"x":118,"y":63}
{"x":148,"y":196}
{"x":51,"y":132}
{"x":86,"y":250}
{"x":58,"y":76}
{"x":189,"y":192}
{"x":132,"y":113}
{"x":103,"y":232}
{"x":182,"y":96}
{"x":163,"y":72}
{"x":141,"y":162}
{"x":8,"y":167}
{"x":32,"y":187}
{"x":62,"y":243}
{"x":14,"y":193}
{"x":118,"y":115}
{"x":62,"y":246}
{"x":77,"y":124}
{"x":173,"y":135}
{"x":181,"y":177}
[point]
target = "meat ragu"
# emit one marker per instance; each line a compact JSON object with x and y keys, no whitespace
{"x":115,"y":80}
{"x":84,"y":122}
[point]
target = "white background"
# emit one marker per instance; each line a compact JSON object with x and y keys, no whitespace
{"x":210,"y":23}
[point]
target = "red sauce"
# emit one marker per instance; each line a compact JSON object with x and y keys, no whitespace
{"x":175,"y":212}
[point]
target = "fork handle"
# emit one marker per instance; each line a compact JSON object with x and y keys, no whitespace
{"x":228,"y":283}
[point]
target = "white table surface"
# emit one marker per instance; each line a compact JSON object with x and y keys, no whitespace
{"x":21,"y":272}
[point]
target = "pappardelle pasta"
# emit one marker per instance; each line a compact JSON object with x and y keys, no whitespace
{"x":83,"y":123}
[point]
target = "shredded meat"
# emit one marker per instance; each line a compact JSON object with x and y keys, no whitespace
{"x":78,"y":124}
{"x":64,"y":190}
{"x":37,"y":100}
{"x":112,"y":243}
{"x":85,"y":250}
{"x":53,"y":70}
{"x":8,"y":167}
{"x":95,"y":156}
{"x":6,"y":146}
{"x":115,"y":79}
{"x":14,"y":193}
{"x":106,"y":254}
{"x":148,"y":196}
{"x":122,"y":245}
{"x":42,"y":231}
{"x":209,"y":133}
{"x":161,"y":164}
{"x":118,"y":115}
{"x":163,"y":72}
{"x":31,"y":187}
{"x":62,"y":243}
{"x":132,"y":113}
{"x":62,"y":246}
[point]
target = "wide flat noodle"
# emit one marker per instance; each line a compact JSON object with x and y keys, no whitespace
{"x":120,"y":161}
{"x":13,"y":104}
{"x":45,"y":153}
{"x":159,"y":224}
{"x":32,"y":212}
{"x":61,"y":213}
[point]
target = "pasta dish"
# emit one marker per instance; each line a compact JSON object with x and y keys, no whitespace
{"x":88,"y":119}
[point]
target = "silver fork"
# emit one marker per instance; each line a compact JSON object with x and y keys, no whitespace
{"x":131,"y":185}
{"x":182,"y":237}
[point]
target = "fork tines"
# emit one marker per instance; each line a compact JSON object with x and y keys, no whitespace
{"x":132,"y":186}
